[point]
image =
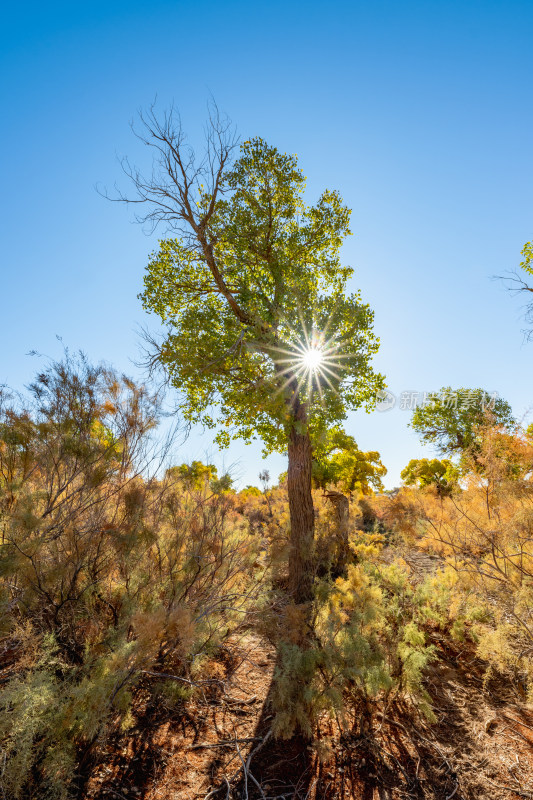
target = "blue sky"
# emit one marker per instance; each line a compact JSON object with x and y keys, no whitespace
{"x":420,"y":113}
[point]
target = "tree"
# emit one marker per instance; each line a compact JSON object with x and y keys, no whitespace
{"x":444,"y":475}
{"x":195,"y":474}
{"x":338,"y":461}
{"x":198,"y":475}
{"x":452,"y":420}
{"x":339,"y":466}
{"x":261,"y":338}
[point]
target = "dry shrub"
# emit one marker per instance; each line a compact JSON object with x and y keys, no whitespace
{"x":484,"y":531}
{"x":109,"y":575}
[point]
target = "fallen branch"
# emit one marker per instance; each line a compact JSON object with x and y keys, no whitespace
{"x":245,"y":769}
{"x":233,"y":701}
{"x":226,"y":743}
{"x":510,"y":789}
{"x":449,"y":797}
{"x":179,"y":678}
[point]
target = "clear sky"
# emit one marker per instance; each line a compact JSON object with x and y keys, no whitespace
{"x":420,"y":113}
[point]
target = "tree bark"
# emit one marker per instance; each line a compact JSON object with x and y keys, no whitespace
{"x":341,"y":504}
{"x":302,"y":515}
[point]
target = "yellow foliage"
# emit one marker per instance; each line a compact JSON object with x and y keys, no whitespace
{"x":484,"y":532}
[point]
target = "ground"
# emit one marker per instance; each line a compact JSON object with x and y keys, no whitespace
{"x":480,"y":747}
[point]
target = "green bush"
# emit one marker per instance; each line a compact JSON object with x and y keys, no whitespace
{"x":369,"y":639}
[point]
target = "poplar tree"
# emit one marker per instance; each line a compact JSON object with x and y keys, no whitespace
{"x":261,"y":339}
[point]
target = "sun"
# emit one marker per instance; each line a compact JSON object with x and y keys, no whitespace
{"x":312,"y":359}
{"x":309,"y":362}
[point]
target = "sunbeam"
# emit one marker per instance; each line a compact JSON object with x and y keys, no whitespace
{"x":313,"y":360}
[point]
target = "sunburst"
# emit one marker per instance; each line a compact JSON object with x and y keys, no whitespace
{"x":313,"y":361}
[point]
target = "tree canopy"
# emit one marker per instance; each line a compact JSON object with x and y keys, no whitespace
{"x":338,"y":461}
{"x":422,"y":472}
{"x":198,"y":475}
{"x":451,"y":420}
{"x":527,"y":263}
{"x":261,"y":283}
{"x":524,"y":285}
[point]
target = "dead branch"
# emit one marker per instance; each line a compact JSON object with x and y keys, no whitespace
{"x":227,"y":743}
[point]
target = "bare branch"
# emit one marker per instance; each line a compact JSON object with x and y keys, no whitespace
{"x":175,"y":191}
{"x":182,"y":191}
{"x":517,"y":284}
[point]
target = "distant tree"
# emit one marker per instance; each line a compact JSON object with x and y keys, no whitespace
{"x":451,"y":420}
{"x":196,"y":473}
{"x":252,"y":295}
{"x":222,"y":484}
{"x":506,"y":456}
{"x":339,"y":462}
{"x":264,"y":477}
{"x":443,"y":475}
{"x":251,"y":491}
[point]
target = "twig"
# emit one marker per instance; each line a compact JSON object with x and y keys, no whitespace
{"x":257,"y":784}
{"x":523,"y":724}
{"x":234,"y":701}
{"x":247,"y":771}
{"x":510,"y":789}
{"x":228,"y":788}
{"x":258,"y":748}
{"x":521,"y":735}
{"x":227,"y":743}
{"x":449,"y":797}
{"x":179,"y":678}
{"x":244,"y":770}
{"x":392,"y":722}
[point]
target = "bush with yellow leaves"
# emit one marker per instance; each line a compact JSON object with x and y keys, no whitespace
{"x":483,"y":529}
{"x":109,"y":575}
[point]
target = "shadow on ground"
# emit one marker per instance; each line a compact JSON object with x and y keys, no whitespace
{"x":479,"y":747}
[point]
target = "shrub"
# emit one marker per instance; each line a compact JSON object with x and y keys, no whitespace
{"x":484,"y":532}
{"x":369,"y":638}
{"x":109,"y":575}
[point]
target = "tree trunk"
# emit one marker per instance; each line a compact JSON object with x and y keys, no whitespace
{"x":302,"y":515}
{"x":341,"y":504}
